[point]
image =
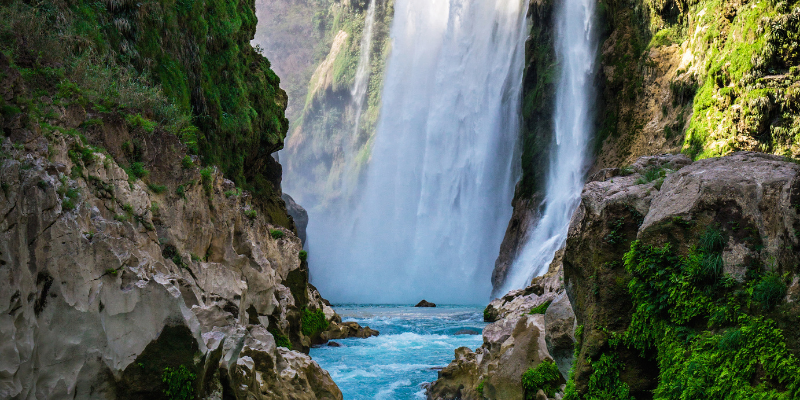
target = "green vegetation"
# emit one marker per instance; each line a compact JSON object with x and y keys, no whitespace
{"x":655,"y":173}
{"x":303,"y":255}
{"x":541,"y":308}
{"x":710,"y":339}
{"x":179,"y":382}
{"x":233,"y":193}
{"x":281,"y":340}
{"x":121,"y":217}
{"x":479,"y":388}
{"x":770,"y":291}
{"x":545,"y":377}
{"x":111,"y":271}
{"x":735,"y":99}
{"x":276,"y":233}
{"x":127,"y":208}
{"x":137,"y":121}
{"x":130,"y":60}
{"x":70,"y":201}
{"x":252,"y":214}
{"x":187,"y":162}
{"x":137,"y":170}
{"x":171,"y":252}
{"x":317,"y":112}
{"x":313,"y":322}
{"x":157,"y":189}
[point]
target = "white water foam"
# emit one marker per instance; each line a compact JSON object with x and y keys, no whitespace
{"x":435,"y":201}
{"x":576,"y":46}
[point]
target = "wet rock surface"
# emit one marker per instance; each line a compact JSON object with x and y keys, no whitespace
{"x":425,"y":303}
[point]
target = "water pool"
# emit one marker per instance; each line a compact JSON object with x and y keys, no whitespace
{"x":413,"y":343}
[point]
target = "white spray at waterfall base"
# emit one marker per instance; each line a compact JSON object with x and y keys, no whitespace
{"x":576,"y":51}
{"x":435,"y":201}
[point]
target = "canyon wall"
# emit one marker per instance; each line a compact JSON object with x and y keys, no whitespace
{"x":144,"y":246}
{"x":318,"y":47}
{"x":701,"y":78}
{"x":680,"y":268}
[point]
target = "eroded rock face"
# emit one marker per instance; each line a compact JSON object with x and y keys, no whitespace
{"x":750,"y":198}
{"x":298,"y":214}
{"x":105,"y":283}
{"x":514,"y":342}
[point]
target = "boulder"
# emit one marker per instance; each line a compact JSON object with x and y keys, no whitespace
{"x":425,"y":303}
{"x":751,"y":199}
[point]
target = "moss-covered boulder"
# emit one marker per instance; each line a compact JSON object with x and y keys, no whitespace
{"x":680,"y":283}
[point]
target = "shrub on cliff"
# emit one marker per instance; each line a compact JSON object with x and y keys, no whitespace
{"x":313,"y":322}
{"x":180,"y":383}
{"x":545,"y":377}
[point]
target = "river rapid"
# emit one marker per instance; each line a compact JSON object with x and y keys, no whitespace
{"x":414,"y":343}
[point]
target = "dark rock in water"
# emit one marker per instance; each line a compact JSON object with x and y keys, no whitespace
{"x":436,"y":368}
{"x":334,"y":344}
{"x":467,"y":332}
{"x":425,"y":303}
{"x":346,"y":330}
{"x":298,"y":214}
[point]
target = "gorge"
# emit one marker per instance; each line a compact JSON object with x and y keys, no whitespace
{"x":156,"y":158}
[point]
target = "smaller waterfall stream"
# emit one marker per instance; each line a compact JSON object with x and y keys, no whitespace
{"x":576,"y":50}
{"x":361,"y":83}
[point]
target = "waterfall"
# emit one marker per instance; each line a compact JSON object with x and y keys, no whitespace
{"x":361,"y":83}
{"x":433,"y":206}
{"x":576,"y":51}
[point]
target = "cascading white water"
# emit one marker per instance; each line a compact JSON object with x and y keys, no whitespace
{"x":436,"y":197}
{"x":361,"y":83}
{"x":576,"y":51}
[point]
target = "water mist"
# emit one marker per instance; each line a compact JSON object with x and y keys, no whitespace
{"x":432,"y":209}
{"x":576,"y":51}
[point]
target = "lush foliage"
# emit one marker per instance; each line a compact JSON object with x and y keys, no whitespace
{"x":313,"y":322}
{"x":281,"y":340}
{"x":276,"y":233}
{"x":303,"y":255}
{"x":180,"y":383}
{"x":709,"y":334}
{"x":186,"y":68}
{"x":545,"y":377}
{"x":541,"y":308}
{"x":710,"y":340}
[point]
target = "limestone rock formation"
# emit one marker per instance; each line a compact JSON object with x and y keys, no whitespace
{"x":107,"y":282}
{"x":748,"y":200}
{"x":515,"y":341}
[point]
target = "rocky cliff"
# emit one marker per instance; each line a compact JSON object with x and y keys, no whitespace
{"x":701,"y":78}
{"x":685,"y":282}
{"x":145,"y":248}
{"x":683,"y":278}
{"x":320,"y":57}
